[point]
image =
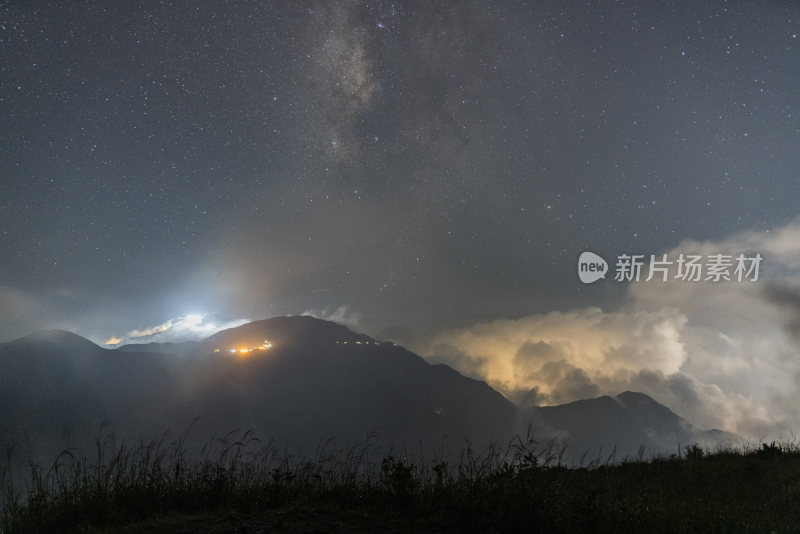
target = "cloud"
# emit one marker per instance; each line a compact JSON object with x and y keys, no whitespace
{"x":342,"y":315}
{"x":563,"y":354}
{"x":187,"y":327}
{"x":720,"y":354}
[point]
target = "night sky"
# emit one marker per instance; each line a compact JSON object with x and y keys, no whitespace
{"x":407,"y":167}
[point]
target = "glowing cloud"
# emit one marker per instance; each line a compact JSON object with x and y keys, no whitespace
{"x":721,"y":354}
{"x":187,"y":327}
{"x":564,"y":356}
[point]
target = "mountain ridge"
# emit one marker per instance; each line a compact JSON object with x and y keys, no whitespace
{"x":304,"y":379}
{"x":299,"y":380}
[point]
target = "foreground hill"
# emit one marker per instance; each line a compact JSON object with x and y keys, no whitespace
{"x":745,"y":491}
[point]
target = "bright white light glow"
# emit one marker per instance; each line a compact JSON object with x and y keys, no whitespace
{"x":193,"y":326}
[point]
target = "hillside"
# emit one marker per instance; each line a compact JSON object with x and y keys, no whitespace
{"x":297,"y":381}
{"x":316,"y":381}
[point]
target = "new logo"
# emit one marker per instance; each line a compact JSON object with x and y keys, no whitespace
{"x":591,"y":267}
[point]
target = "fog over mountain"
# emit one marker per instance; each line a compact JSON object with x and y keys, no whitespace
{"x":300,"y":382}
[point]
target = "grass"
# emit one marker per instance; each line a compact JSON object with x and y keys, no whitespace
{"x":237,"y":483}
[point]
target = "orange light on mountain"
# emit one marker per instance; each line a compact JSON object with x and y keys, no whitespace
{"x":243,"y":351}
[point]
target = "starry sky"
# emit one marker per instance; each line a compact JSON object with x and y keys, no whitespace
{"x":410,"y":167}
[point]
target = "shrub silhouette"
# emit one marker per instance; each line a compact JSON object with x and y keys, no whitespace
{"x":521,"y":487}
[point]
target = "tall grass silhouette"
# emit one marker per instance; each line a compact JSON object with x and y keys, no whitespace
{"x":523,"y":486}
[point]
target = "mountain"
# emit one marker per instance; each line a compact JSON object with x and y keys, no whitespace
{"x":319,"y":380}
{"x":58,"y":389}
{"x":667,"y":429}
{"x":297,"y":380}
{"x":618,"y":427}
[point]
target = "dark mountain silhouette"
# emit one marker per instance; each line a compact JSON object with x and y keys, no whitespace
{"x":177,"y":349}
{"x":316,"y":381}
{"x":53,"y":342}
{"x":300,"y":381}
{"x":619,"y":427}
{"x":320,"y":380}
{"x":58,"y":389}
{"x":591,"y":427}
{"x":665,"y":427}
